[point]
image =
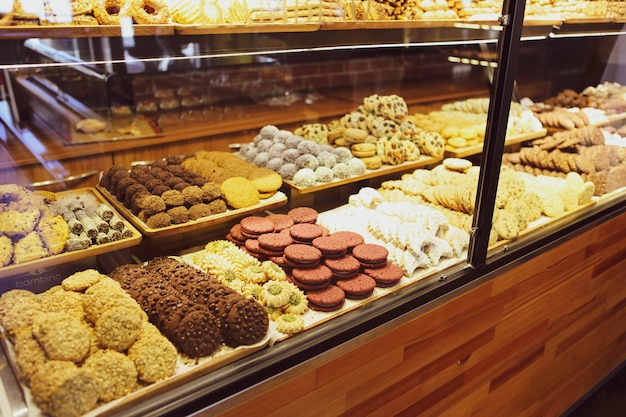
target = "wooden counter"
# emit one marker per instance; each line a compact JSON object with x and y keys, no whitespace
{"x":530,"y":342}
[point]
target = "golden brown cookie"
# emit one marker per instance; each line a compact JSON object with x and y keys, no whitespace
{"x":240,"y":192}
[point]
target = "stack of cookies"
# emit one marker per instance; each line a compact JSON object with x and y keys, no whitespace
{"x":328,"y":268}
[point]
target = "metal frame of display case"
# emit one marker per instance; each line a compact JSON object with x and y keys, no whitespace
{"x":221,"y":384}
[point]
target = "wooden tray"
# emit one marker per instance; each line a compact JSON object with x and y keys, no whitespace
{"x":66,"y":257}
{"x":369,"y":173}
{"x":476,"y":149}
{"x":277,"y":200}
{"x":186,"y":370}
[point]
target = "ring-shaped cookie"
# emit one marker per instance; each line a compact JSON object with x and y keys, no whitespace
{"x":149,"y":12}
{"x":110,"y":12}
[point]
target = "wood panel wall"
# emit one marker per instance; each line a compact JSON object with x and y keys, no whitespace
{"x":530,"y":342}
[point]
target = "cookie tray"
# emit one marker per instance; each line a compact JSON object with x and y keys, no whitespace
{"x":512,"y":140}
{"x":369,"y":173}
{"x":277,"y":200}
{"x":314,"y":318}
{"x":67,"y":257}
{"x":186,"y":370}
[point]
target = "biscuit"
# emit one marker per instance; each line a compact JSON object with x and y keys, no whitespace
{"x":457,"y":164}
{"x":355,"y":135}
{"x":351,"y":239}
{"x":302,"y":256}
{"x":371,"y":255}
{"x":198,"y":333}
{"x":312,"y":279}
{"x":274,"y":242}
{"x":234,"y":235}
{"x":330,"y":246}
{"x":357,"y":288}
{"x":61,"y":388}
{"x":115,"y":372}
{"x":6,"y":250}
{"x":303,"y":214}
{"x":254,"y":226}
{"x":331,"y":298}
{"x":62,"y":336}
{"x":372,"y":162}
{"x":281,"y":221}
{"x":387,"y":276}
{"x":305,"y":232}
{"x":506,"y":225}
{"x":246,"y":323}
{"x":240,"y":192}
{"x":363,"y":150}
{"x":344,"y":267}
{"x":265,"y":180}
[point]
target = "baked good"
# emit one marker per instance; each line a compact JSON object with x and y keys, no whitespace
{"x":61,"y":388}
{"x":236,"y":236}
{"x":371,"y":255}
{"x":254,"y":226}
{"x":154,"y":356}
{"x":6,"y":250}
{"x":149,"y":12}
{"x":119,"y":327}
{"x":198,"y":332}
{"x":312,"y":279}
{"x":351,"y":239}
{"x":386,"y":276}
{"x":330,"y":246}
{"x":64,"y":337}
{"x":115,"y":372}
{"x":344,"y":267}
{"x":247,"y":323}
{"x":240,"y":192}
{"x":357,"y":288}
{"x":303,"y":214}
{"x":331,"y":298}
{"x":275,"y":242}
{"x":301,"y":255}
{"x":306,"y":232}
{"x":281,"y":221}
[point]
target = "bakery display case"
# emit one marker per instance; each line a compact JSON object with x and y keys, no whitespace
{"x":450,"y":176}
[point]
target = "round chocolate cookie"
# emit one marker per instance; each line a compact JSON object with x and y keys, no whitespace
{"x":371,"y":255}
{"x":330,"y":246}
{"x":305,"y":232}
{"x":352,"y":239}
{"x":312,"y":279}
{"x":344,"y":267}
{"x":299,"y":255}
{"x":387,"y":276}
{"x":247,"y":323}
{"x":281,"y":221}
{"x":198,"y":333}
{"x":357,"y":288}
{"x":254,"y":226}
{"x":330,"y":298}
{"x":303,"y":214}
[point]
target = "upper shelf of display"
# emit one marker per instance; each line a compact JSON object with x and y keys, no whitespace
{"x":456,"y":29}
